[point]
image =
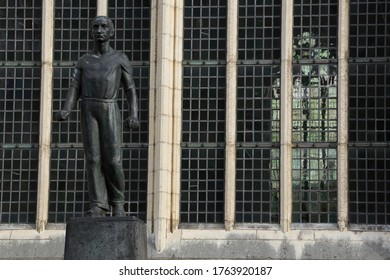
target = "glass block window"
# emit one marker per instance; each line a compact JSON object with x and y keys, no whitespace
{"x":202,"y":186}
{"x":205,"y":30}
{"x":18,"y":185}
{"x":71,"y":29}
{"x":68,"y":184}
{"x":20,"y":30}
{"x":314,"y":193}
{"x":314,"y":112}
{"x":369,"y":29}
{"x":259,"y":30}
{"x":257,"y":186}
{"x":132,"y":28}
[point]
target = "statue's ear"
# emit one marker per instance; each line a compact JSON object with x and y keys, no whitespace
{"x":112,"y":33}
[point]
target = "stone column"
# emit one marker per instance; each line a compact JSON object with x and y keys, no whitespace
{"x":342,"y":152}
{"x":162,"y":122}
{"x":45,"y":117}
{"x":286,"y":116}
{"x":231,"y":105}
{"x":102,"y":7}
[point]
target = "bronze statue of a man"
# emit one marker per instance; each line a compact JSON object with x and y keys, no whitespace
{"x":96,"y":80}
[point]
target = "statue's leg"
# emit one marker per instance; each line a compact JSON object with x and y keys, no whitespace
{"x":90,"y":131}
{"x":111,"y":156}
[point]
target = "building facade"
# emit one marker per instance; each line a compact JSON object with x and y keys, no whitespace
{"x":265,"y":126}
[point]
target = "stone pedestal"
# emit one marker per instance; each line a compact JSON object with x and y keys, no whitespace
{"x":108,"y":238}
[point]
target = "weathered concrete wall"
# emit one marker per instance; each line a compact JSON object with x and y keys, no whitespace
{"x":220,"y":244}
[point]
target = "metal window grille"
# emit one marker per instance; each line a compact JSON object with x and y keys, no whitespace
{"x":258,"y":125}
{"x":369,"y":116}
{"x":202,"y":186}
{"x":314,"y":103}
{"x":20,"y":30}
{"x":258,"y":104}
{"x":20,"y":55}
{"x":68,"y":186}
{"x":369,"y":29}
{"x":257,"y":195}
{"x":18,"y":185}
{"x":204,"y":30}
{"x":71,"y":29}
{"x":369,"y":191}
{"x":315,"y":111}
{"x":259,"y":30}
{"x":203,"y":112}
{"x":258,"y":112}
{"x":314,"y":195}
{"x":132,"y":28}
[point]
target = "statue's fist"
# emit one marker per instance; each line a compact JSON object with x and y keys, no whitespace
{"x":132,"y":123}
{"x":61,"y":115}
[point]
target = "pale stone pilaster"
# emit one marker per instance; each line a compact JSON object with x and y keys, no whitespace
{"x":231,"y":104}
{"x":152,"y":115}
{"x":286,"y":119}
{"x":177,"y":113}
{"x":102,"y":8}
{"x":164,"y":121}
{"x":342,"y":152}
{"x":45,"y":117}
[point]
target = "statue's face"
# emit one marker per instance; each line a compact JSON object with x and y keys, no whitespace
{"x":101,"y":31}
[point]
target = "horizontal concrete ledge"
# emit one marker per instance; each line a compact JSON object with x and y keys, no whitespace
{"x":220,"y":244}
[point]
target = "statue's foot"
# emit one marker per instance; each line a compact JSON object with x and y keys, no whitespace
{"x":118,"y":211}
{"x":95,"y":212}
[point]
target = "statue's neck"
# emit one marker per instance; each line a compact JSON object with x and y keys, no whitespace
{"x":102,"y":48}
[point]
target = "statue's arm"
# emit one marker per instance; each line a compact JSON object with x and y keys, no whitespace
{"x":132,"y":121}
{"x":72,"y":97}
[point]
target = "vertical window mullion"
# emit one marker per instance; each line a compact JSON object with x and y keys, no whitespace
{"x":286,"y":113}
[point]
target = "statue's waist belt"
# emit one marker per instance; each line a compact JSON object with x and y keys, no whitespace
{"x":85,"y":98}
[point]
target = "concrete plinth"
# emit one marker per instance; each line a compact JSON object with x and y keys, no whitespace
{"x":109,"y":238}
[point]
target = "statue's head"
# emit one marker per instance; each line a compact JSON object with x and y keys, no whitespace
{"x":102,"y":29}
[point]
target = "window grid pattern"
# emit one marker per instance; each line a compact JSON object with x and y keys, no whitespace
{"x":369,"y":103}
{"x":314,"y":111}
{"x":315,"y":29}
{"x":20,"y":30}
{"x":71,"y":29}
{"x":18,"y":185}
{"x":259,"y":30}
{"x":68,"y":185}
{"x":205,"y":30}
{"x":369,"y":115}
{"x":19,"y":105}
{"x":369,"y":190}
{"x":258,"y":104}
{"x":314,"y":193}
{"x":202,"y":185}
{"x":314,"y":103}
{"x":204,"y":104}
{"x":132,"y":28}
{"x":257,"y":185}
{"x":369,"y":29}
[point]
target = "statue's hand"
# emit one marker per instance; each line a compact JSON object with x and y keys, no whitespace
{"x":132,"y":123}
{"x":61,"y":115}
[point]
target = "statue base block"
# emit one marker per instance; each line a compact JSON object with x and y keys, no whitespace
{"x":108,"y":238}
